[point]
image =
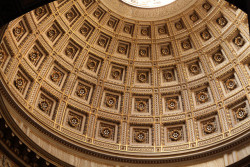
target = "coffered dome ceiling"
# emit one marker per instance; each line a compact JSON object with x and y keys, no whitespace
{"x":161,"y":85}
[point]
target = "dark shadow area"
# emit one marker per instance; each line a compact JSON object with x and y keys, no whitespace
{"x":11,"y":9}
{"x":245,"y":162}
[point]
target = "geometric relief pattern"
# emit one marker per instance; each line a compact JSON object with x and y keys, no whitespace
{"x":166,"y":50}
{"x":19,"y":31}
{"x":117,"y":73}
{"x":144,"y":51}
{"x":86,"y":29}
{"x":239,"y":111}
{"x":230,"y":83}
{"x":218,"y":57}
{"x":143,"y":76}
{"x":141,"y":105}
{"x":83,"y":91}
{"x":72,"y":49}
{"x":208,"y":126}
{"x":106,"y":131}
{"x":57,"y":76}
{"x":93,"y":63}
{"x":123,"y":48}
{"x":99,"y":13}
{"x":72,"y":14}
{"x":172,"y":103}
{"x":175,"y":133}
{"x":194,"y":68}
{"x":113,"y":22}
{"x":202,"y":96}
{"x":35,"y":55}
{"x":140,"y":135}
{"x":41,"y":12}
{"x":54,"y":32}
{"x":169,"y":74}
{"x":21,"y":82}
{"x":128,"y":28}
{"x":104,"y":41}
{"x":45,"y":104}
{"x":75,"y":120}
{"x":111,"y":101}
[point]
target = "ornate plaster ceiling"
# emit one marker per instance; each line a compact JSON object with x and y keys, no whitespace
{"x":131,"y":87}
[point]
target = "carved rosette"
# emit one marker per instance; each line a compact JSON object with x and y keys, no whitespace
{"x":127,"y":29}
{"x":116,"y":74}
{"x":143,"y":52}
{"x":84,"y":30}
{"x":81,"y":92}
{"x":186,"y":45}
{"x":172,"y":104}
{"x":34,"y":56}
{"x":69,"y":51}
{"x":218,"y":57}
{"x":56,"y":76}
{"x":239,"y":41}
{"x":40,"y":12}
{"x":241,"y":113}
{"x":209,"y":128}
{"x":141,"y":106}
{"x":74,"y":121}
{"x":121,"y":50}
{"x":110,"y":101}
{"x":222,"y":21}
{"x":231,"y":84}
{"x":102,"y":42}
{"x":179,"y":25}
{"x":106,"y":132}
{"x":194,"y":69}
{"x":44,"y":105}
{"x":144,"y":31}
{"x":194,"y":17}
{"x":111,"y":23}
{"x":91,"y":64}
{"x":142,"y":77}
{"x":140,"y":137}
{"x":18,"y":31}
{"x":165,"y":51}
{"x":51,"y":33}
{"x":175,"y":135}
{"x":202,"y":97}
{"x":168,"y":75}
{"x":207,"y":6}
{"x":161,"y":30}
{"x":205,"y":35}
{"x":20,"y":83}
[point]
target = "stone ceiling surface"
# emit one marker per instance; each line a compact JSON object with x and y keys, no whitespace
{"x":155,"y":85}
